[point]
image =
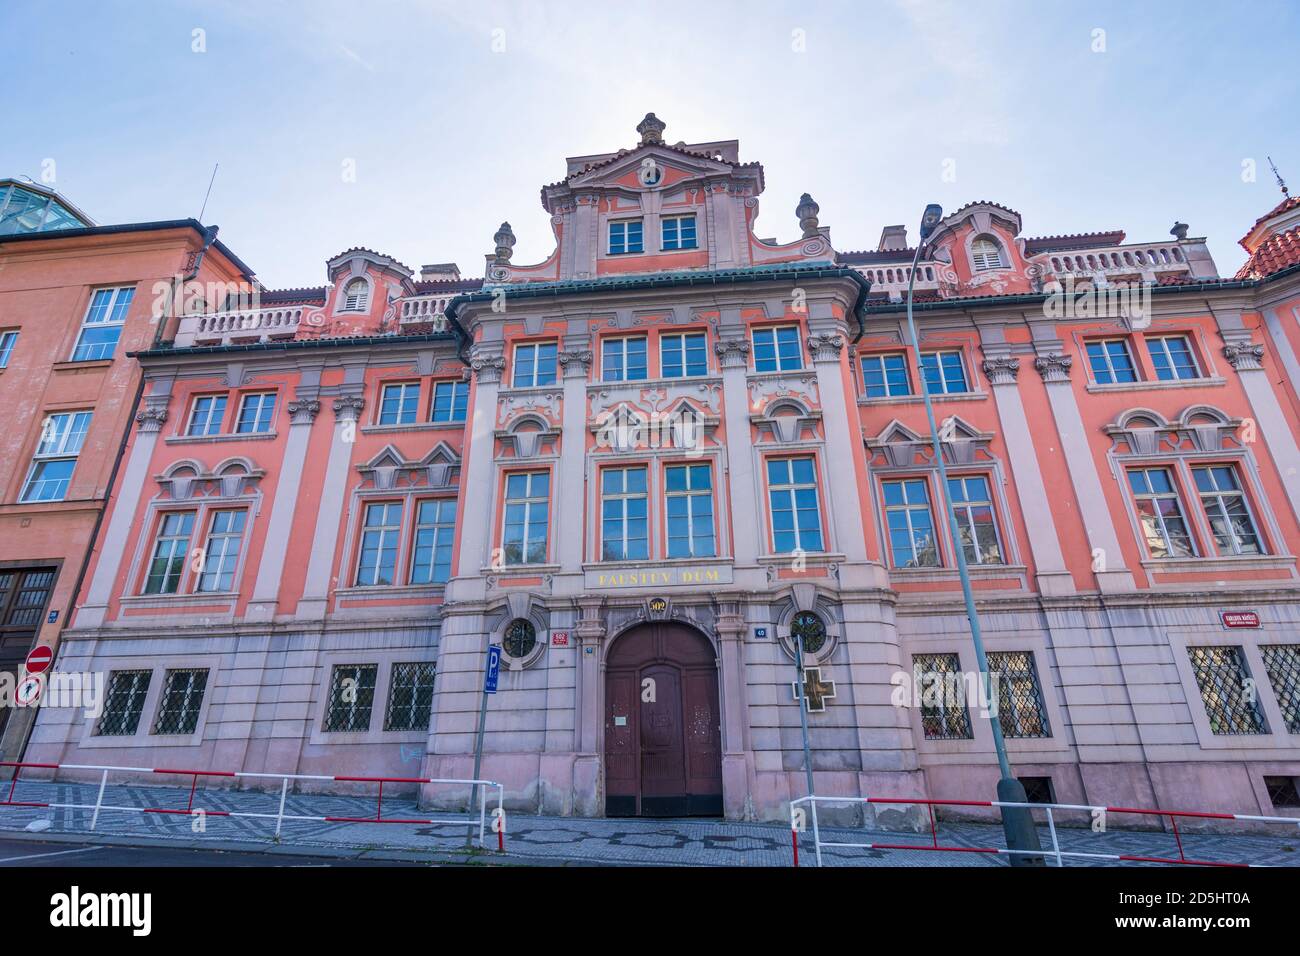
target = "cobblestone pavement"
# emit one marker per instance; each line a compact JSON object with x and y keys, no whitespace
{"x":572,"y":840}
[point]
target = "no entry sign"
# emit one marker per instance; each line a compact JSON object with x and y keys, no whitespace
{"x":39,"y":659}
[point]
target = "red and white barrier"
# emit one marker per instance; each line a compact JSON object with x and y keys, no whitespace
{"x":498,"y":815}
{"x":798,"y":814}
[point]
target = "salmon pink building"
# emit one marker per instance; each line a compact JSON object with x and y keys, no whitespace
{"x":645,"y":464}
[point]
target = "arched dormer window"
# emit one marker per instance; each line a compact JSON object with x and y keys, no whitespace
{"x":356,"y":296}
{"x":986,"y":254}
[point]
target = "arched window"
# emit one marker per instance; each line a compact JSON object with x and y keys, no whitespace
{"x":986,"y":254}
{"x":520,"y":638}
{"x":808,"y":627}
{"x":356,"y":295}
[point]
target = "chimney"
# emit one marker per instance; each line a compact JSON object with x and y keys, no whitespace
{"x":444,"y":271}
{"x":893,"y":239}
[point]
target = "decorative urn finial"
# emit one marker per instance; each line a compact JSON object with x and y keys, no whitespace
{"x":651,"y":129}
{"x":807,"y":211}
{"x":1179,"y":231}
{"x":505,"y":240}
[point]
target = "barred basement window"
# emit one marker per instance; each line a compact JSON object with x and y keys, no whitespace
{"x":123,"y":703}
{"x":808,"y":627}
{"x":520,"y":638}
{"x":938,"y":678}
{"x":1037,"y":789}
{"x":1282,"y":791}
{"x":1020,"y":698}
{"x":410,"y":697}
{"x":1282,"y":661}
{"x":182,"y":698}
{"x":352,"y":697}
{"x":1222,"y":676}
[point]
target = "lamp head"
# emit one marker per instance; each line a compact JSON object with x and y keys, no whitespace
{"x":930,"y":219}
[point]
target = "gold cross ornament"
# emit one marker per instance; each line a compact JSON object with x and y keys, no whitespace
{"x":815,"y":690}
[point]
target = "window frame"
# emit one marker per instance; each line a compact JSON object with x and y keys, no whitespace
{"x":263,"y":399}
{"x":779,"y":362}
{"x":227,"y":538}
{"x":362,"y":300}
{"x":684,"y":346}
{"x":116,"y":312}
{"x":158,"y":539}
{"x":882,"y":358}
{"x":530,"y":503}
{"x":223,"y":398}
{"x":403,"y":402}
{"x":1220,"y":494}
{"x":59,"y":452}
{"x":979,"y":257}
{"x":691,"y":495}
{"x":1109,"y":360}
{"x":1163,"y":340}
{"x":938,"y":355}
{"x":965,"y":520}
{"x":1177,"y":494}
{"x":625,"y":518}
{"x":168,"y":675}
{"x":459,"y":401}
{"x":907,"y":508}
{"x":383,"y":530}
{"x":678,"y":220}
{"x":536,"y":347}
{"x":436,"y":527}
{"x":622,"y":358}
{"x":626,"y":243}
{"x":790,"y":489}
{"x":8,"y":341}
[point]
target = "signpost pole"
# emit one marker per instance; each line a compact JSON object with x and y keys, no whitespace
{"x":490,"y":673}
{"x":803,"y":712}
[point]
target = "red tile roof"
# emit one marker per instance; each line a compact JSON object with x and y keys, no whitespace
{"x":1274,"y":254}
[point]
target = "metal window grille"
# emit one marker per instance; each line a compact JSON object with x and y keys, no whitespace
{"x":520,"y":638}
{"x":352,"y":697}
{"x":1282,"y":661}
{"x":809,"y":628}
{"x":1020,"y":697}
{"x":410,"y":697}
{"x":1282,"y":791}
{"x":182,"y":698}
{"x":1227,"y":690}
{"x":123,"y":703}
{"x":948,"y":717}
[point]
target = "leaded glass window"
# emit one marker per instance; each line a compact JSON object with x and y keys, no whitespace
{"x":182,"y":699}
{"x":520,"y":638}
{"x":123,"y":703}
{"x":410,"y":697}
{"x":809,"y":628}
{"x":940,"y":683}
{"x":1282,"y":662}
{"x":1227,"y":690}
{"x":352,"y":697}
{"x":1020,"y":697}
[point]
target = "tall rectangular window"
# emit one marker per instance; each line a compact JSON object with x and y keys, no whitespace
{"x":625,"y":236}
{"x":912,"y":541}
{"x":939,"y":679}
{"x":1160,"y":513}
{"x":885,"y":376}
{"x":624,"y":524}
{"x":257,"y":413}
{"x":623,"y":360}
{"x":688,"y":496}
{"x":221,"y":555}
{"x":182,"y":699}
{"x":399,"y":403}
{"x":944,"y":372}
{"x":1173,"y":358}
{"x":1227,"y":691}
{"x":975,"y":523}
{"x":535,"y":364}
{"x":352,"y":697}
{"x":435,"y":529}
{"x":1282,"y":661}
{"x":1226,"y":510}
{"x":207,"y":415}
{"x":528,"y":498}
{"x":792,"y":495}
{"x":410,"y":697}
{"x":380,"y":532}
{"x":103,"y":324}
{"x":777,"y":349}
{"x":1020,"y":697}
{"x":123,"y":703}
{"x":678,"y":232}
{"x":56,"y":456}
{"x":683,"y":355}
{"x":1110,"y":362}
{"x":450,"y":401}
{"x":7,"y":342}
{"x":170,"y":551}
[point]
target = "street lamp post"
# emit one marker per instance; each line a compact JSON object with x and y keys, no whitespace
{"x":1017,"y":822}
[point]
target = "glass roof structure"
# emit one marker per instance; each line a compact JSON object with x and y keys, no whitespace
{"x":26,"y":207}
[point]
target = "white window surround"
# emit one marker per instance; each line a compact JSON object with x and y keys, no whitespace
{"x":355,"y":295}
{"x":987,"y":254}
{"x":159,"y":666}
{"x":1276,"y":738}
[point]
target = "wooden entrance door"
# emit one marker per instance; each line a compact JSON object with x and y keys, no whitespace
{"x":663,"y":745}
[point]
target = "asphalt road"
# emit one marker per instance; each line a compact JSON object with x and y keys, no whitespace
{"x":15,"y":853}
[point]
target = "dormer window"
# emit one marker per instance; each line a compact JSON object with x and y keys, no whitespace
{"x":625,"y":236}
{"x":356,"y":296}
{"x":986,"y":254}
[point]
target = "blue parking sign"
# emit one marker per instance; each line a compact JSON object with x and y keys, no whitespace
{"x":493,"y":669}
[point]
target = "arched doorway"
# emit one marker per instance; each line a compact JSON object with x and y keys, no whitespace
{"x":663,"y":744}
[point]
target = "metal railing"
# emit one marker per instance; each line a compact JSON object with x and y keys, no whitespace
{"x":280,"y":816}
{"x":798,"y":820}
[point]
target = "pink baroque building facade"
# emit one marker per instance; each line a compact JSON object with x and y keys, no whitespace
{"x":641,"y":465}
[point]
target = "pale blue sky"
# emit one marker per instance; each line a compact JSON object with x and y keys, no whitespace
{"x":449,"y":137}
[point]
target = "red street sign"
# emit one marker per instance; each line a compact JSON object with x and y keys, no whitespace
{"x":1239,"y":618}
{"x":559,"y":639}
{"x":39,"y":659}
